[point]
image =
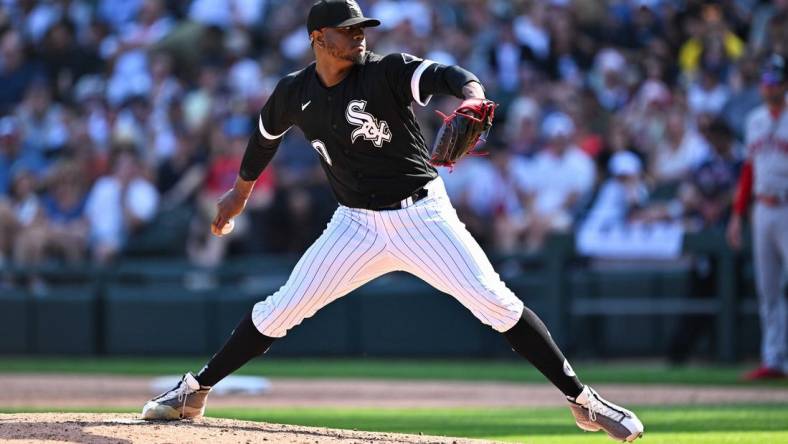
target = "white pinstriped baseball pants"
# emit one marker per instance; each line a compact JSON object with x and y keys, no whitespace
{"x":425,"y":239}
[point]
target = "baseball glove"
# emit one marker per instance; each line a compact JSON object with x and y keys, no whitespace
{"x":462,"y":130}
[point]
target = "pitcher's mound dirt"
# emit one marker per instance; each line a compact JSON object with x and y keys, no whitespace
{"x":121,"y":428}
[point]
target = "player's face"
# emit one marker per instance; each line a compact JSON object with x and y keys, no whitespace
{"x":345,"y":43}
{"x":774,"y":94}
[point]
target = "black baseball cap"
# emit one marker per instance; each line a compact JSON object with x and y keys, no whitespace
{"x":774,"y":70}
{"x":337,"y":14}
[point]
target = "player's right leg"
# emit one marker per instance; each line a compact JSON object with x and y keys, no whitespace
{"x":349,"y":253}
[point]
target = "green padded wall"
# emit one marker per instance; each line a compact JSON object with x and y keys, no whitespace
{"x":15,"y":321}
{"x":155,"y":320}
{"x":65,"y":321}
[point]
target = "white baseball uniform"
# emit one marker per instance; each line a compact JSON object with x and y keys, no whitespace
{"x":767,"y":148}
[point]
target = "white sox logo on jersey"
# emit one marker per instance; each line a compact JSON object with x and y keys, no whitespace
{"x":368,"y":126}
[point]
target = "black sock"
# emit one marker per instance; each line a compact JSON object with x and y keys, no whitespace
{"x":530,"y":338}
{"x":245,"y":343}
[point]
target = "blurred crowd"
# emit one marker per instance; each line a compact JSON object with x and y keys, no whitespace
{"x":121,"y":122}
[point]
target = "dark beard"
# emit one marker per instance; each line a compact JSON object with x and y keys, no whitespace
{"x":354,"y":57}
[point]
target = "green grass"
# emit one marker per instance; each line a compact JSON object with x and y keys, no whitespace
{"x":476,"y":370}
{"x":664,"y":425}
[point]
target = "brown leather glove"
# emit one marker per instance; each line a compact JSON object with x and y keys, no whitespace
{"x":462,"y":130}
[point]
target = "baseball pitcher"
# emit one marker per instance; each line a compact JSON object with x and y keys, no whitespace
{"x":354,"y":106}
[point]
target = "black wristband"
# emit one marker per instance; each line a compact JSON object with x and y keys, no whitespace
{"x":456,"y":78}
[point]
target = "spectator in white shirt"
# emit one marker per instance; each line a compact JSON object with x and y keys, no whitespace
{"x":621,"y":195}
{"x":558,"y":178}
{"x":682,"y":149}
{"x":709,"y":93}
{"x":119,"y":205}
{"x":608,"y":79}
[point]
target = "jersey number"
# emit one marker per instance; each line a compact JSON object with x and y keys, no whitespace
{"x":320,"y":147}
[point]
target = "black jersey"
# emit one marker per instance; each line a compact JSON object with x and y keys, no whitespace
{"x":363,"y":128}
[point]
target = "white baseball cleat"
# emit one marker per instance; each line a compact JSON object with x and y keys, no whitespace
{"x":184,"y":401}
{"x":592,"y":413}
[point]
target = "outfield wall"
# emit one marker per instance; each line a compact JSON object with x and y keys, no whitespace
{"x":164,"y":306}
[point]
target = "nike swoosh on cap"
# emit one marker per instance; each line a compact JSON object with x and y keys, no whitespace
{"x":304,"y":105}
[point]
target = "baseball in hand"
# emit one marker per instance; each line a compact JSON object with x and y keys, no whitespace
{"x":228,"y":227}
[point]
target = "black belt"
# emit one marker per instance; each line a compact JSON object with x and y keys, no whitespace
{"x":416,"y":196}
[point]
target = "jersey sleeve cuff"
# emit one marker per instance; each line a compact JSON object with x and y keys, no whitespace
{"x":414,"y":83}
{"x":268,"y":135}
